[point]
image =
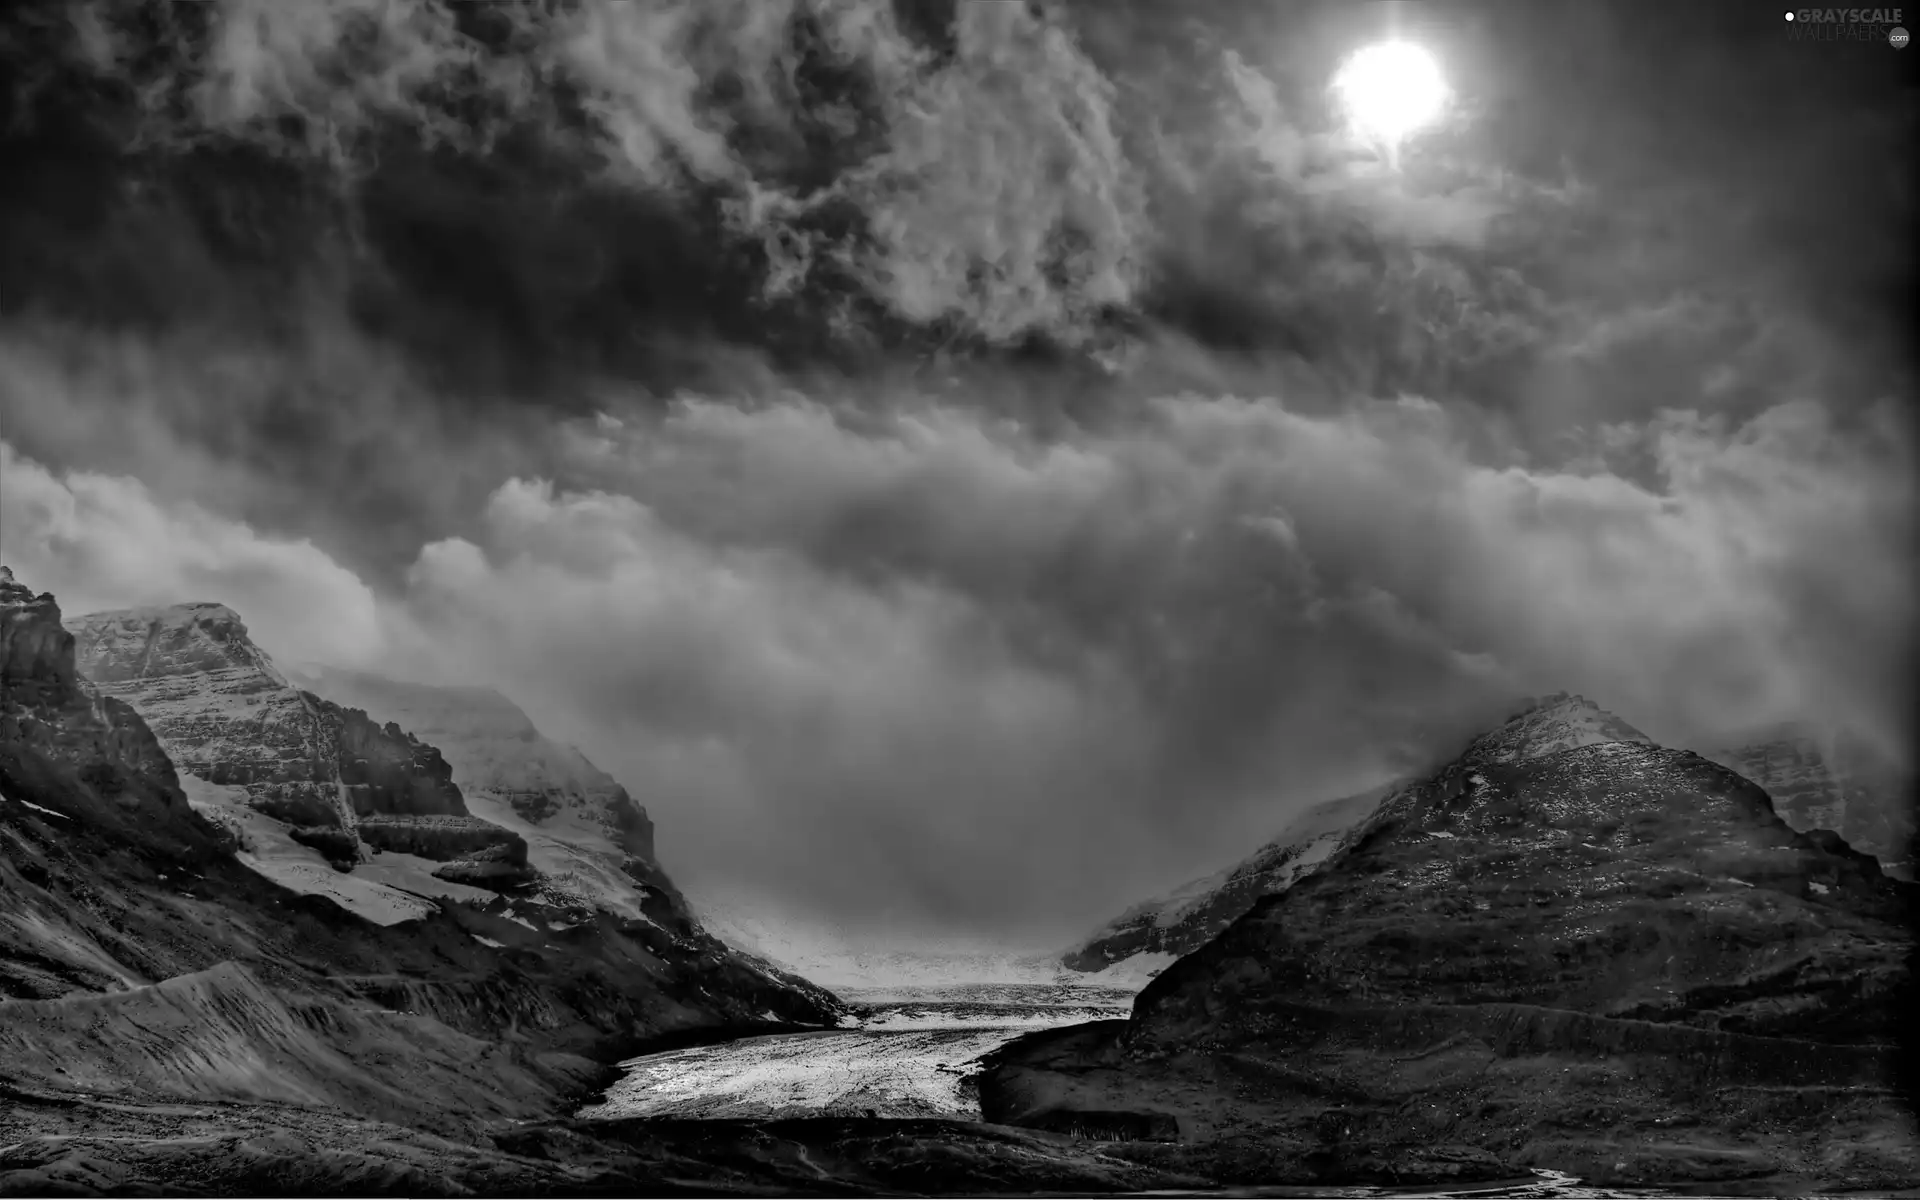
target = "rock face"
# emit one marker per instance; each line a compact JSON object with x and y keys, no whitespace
{"x":442,"y":839}
{"x":384,"y":770}
{"x":589,"y":845}
{"x":1831,"y":782}
{"x":1551,"y":948}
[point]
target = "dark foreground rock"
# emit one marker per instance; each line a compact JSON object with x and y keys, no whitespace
{"x":89,"y":1147}
{"x":1593,"y":955}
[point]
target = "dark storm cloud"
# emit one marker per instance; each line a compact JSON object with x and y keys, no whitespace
{"x":972,"y":464}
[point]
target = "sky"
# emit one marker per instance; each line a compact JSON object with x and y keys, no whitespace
{"x":965,"y":467}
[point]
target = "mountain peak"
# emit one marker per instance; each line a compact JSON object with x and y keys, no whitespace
{"x":175,"y":639}
{"x":1549,"y":724}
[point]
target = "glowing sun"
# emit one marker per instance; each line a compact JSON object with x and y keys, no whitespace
{"x":1391,"y":89}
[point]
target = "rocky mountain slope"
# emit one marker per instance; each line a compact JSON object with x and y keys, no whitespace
{"x":303,"y":781}
{"x":589,"y":845}
{"x":145,"y":963}
{"x":1570,"y":948}
{"x":1815,"y":783}
{"x":1151,"y":935}
{"x":1820,"y":781}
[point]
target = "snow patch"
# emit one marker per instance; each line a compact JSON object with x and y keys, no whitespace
{"x":1183,"y":900}
{"x":578,"y":861}
{"x":485,"y":941}
{"x":37,"y":808}
{"x":269,"y":850}
{"x":1133,"y":972}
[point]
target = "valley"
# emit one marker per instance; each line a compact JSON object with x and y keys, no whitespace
{"x":610,"y":598}
{"x":1518,"y":966}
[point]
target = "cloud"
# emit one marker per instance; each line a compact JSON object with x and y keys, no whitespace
{"x":958,"y":472}
{"x":1232,"y":603}
{"x":987,"y":191}
{"x":928,"y":657}
{"x":100,"y":541}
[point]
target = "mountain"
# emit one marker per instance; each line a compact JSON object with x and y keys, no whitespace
{"x":327,"y":799}
{"x":150,"y":961}
{"x":1826,"y":781}
{"x":1150,"y":935}
{"x":1568,"y":948}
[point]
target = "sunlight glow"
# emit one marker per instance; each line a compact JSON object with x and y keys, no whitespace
{"x":1391,"y":89}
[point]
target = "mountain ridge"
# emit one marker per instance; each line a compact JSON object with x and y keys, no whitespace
{"x":1180,"y":921}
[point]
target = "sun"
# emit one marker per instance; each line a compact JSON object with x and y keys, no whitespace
{"x":1391,"y":89}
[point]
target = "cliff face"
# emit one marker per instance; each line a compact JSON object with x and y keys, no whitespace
{"x":59,"y":735}
{"x":385,"y":770}
{"x":1551,"y":948}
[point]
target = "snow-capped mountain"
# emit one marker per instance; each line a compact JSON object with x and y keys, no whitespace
{"x":145,"y":954}
{"x":589,"y":843}
{"x":1822,"y":780}
{"x":320,"y":798}
{"x":1815,"y":782}
{"x":1565,"y":933}
{"x":1548,"y":725}
{"x":1149,"y":936}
